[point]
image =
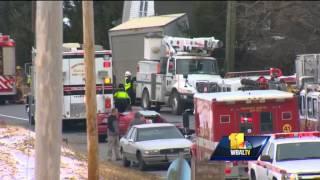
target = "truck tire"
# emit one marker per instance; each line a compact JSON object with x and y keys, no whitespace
{"x":176,"y":104}
{"x":145,"y":100}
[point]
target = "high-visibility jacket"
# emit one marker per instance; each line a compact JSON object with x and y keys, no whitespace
{"x":121,"y":95}
{"x":29,"y":79}
{"x":127,"y":84}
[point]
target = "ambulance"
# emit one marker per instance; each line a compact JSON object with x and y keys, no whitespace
{"x":251,"y":112}
{"x":74,"y":83}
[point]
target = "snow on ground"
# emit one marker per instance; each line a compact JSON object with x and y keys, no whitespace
{"x":17,"y":157}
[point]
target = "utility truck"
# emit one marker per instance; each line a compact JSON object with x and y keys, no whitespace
{"x":74,"y":83}
{"x":174,"y":69}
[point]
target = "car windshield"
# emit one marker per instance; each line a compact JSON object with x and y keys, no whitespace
{"x":169,"y":132}
{"x":196,"y":66}
{"x":298,"y":151}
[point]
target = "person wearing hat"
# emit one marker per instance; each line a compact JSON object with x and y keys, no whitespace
{"x":128,"y":85}
{"x":138,"y":119}
{"x":121,"y":99}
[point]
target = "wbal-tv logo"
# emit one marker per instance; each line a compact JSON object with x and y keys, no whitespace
{"x":238,"y":145}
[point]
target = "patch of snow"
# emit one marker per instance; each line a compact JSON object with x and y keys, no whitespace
{"x":16,"y":163}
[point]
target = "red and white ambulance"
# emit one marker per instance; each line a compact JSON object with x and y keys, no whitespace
{"x":251,"y":112}
{"x":7,"y":69}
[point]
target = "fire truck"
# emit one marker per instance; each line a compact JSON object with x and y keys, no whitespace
{"x":74,"y":83}
{"x":308,"y":80}
{"x":252,"y":112}
{"x":174,"y":69}
{"x":255,"y":80}
{"x":8,"y":89}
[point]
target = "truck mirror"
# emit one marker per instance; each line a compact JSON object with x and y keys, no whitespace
{"x":266,"y":158}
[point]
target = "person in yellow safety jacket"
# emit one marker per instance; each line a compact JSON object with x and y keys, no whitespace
{"x":29,"y":80}
{"x":121,"y":99}
{"x":128,"y":85}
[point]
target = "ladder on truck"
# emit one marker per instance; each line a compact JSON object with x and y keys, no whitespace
{"x":188,"y":45}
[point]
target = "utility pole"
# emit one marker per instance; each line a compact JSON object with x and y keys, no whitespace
{"x":33,"y":21}
{"x":230,"y":36}
{"x":91,"y":109}
{"x":49,"y":90}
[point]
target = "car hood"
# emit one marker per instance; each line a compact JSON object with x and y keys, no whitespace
{"x":164,"y":144}
{"x":300,"y":166}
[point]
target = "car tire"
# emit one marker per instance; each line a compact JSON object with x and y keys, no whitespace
{"x":145,"y":100}
{"x":176,"y":104}
{"x":125,"y":161}
{"x":253,"y":175}
{"x":141,"y":163}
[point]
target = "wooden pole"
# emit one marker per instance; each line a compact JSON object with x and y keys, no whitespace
{"x":49,"y":94}
{"x":91,"y":109}
{"x":230,"y":36}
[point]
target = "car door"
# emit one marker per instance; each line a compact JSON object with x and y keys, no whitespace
{"x":169,"y":75}
{"x":264,"y":170}
{"x":131,"y":147}
{"x":124,"y":142}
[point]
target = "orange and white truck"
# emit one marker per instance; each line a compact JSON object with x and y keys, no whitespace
{"x":251,"y":112}
{"x":8,"y":88}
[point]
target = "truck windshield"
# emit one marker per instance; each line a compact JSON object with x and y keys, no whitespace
{"x":148,"y":134}
{"x":298,"y":151}
{"x":196,"y":66}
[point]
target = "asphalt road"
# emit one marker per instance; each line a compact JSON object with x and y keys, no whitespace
{"x":75,"y":135}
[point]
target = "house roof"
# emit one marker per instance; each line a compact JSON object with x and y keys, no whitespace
{"x":148,"y":22}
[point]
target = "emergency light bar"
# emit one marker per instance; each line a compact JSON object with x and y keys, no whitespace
{"x":297,"y":134}
{"x":6,"y":41}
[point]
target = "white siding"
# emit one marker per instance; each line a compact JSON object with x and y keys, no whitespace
{"x":131,"y":9}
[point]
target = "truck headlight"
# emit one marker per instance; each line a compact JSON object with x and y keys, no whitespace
{"x":291,"y":176}
{"x":151,"y":152}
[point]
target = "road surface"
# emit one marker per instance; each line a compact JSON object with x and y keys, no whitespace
{"x":75,"y":136}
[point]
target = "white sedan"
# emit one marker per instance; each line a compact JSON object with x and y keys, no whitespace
{"x":157,"y":143}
